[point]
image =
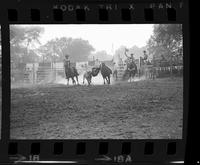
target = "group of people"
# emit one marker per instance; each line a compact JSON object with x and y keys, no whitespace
{"x":130,"y":62}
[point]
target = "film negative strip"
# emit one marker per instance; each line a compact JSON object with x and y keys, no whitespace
{"x":94,"y":82}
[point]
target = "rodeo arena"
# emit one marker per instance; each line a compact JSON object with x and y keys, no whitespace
{"x":72,"y":82}
{"x":120,"y":106}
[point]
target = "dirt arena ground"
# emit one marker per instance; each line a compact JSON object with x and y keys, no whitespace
{"x":148,"y":109}
{"x":0,"y":110}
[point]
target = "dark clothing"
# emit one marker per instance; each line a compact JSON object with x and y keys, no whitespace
{"x":66,"y":62}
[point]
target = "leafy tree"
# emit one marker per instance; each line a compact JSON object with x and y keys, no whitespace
{"x":22,"y":41}
{"x":56,"y":49}
{"x":80,"y":49}
{"x":101,"y":55}
{"x":166,"y":44}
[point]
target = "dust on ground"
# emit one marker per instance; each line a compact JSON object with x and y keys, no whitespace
{"x":147,"y":109}
{"x":0,"y":109}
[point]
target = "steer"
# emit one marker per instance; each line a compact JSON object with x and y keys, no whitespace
{"x":88,"y":76}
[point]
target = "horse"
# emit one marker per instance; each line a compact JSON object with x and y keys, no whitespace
{"x":71,"y":72}
{"x":105,"y":72}
{"x":131,"y":70}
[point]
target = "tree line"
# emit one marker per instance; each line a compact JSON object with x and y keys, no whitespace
{"x":26,"y":47}
{"x":165,"y":46}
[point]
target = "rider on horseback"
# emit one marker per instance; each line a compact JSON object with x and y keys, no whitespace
{"x":131,"y":66}
{"x":129,"y":58}
{"x":70,"y":71}
{"x":145,"y":58}
{"x":66,"y":61}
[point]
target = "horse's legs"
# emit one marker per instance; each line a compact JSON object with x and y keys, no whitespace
{"x":106,"y":80}
{"x":67,"y":81}
{"x":77,"y":79}
{"x":73,"y":81}
{"x":109,"y":79}
{"x":88,"y":81}
{"x":83,"y":79}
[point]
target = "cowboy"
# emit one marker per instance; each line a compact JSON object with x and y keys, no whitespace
{"x":97,"y":63}
{"x":129,"y":58}
{"x":66,"y":60}
{"x":145,"y":57}
{"x":115,"y":70}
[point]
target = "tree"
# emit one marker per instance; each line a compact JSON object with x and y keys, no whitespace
{"x":22,"y":42}
{"x":166,"y":43}
{"x":80,"y":49}
{"x":101,"y":56}
{"x":56,"y":49}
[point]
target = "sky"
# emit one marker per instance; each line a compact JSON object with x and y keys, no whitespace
{"x":101,"y":36}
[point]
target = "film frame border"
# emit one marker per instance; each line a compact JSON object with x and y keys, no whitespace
{"x":46,"y":17}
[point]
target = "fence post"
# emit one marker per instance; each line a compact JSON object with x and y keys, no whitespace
{"x":55,"y":70}
{"x":33,"y":73}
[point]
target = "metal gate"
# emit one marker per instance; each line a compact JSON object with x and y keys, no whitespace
{"x":37,"y":73}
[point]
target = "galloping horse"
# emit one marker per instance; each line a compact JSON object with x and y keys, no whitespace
{"x":71,"y":72}
{"x":131,"y":70}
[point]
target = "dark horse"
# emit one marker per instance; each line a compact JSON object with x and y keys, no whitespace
{"x":105,"y":72}
{"x":71,"y":72}
{"x":131,"y":70}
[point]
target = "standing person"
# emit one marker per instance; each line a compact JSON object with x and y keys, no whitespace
{"x":115,"y":70}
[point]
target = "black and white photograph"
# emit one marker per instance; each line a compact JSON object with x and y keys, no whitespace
{"x":0,"y":85}
{"x":96,"y":81}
